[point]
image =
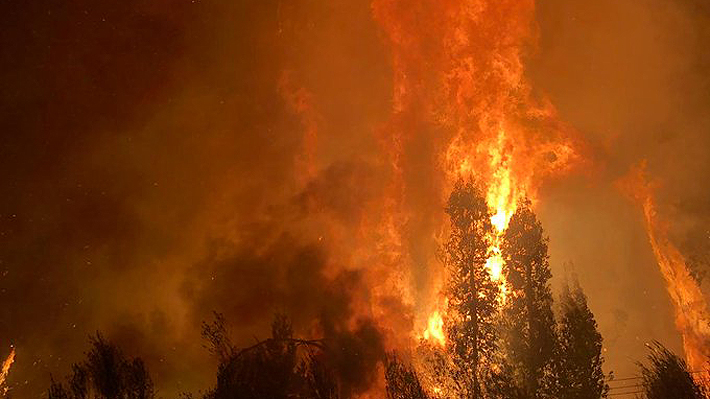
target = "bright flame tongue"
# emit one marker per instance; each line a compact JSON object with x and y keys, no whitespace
{"x":501,"y":198}
{"x":6,"y":369}
{"x":692,"y":316}
{"x":494,"y":264}
{"x":435,"y":329}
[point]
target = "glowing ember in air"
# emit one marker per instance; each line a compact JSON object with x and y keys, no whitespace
{"x":6,"y":369}
{"x":435,"y":329}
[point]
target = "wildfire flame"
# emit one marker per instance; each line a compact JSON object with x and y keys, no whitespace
{"x":502,"y":199}
{"x":6,"y":369}
{"x":435,"y":329}
{"x":502,"y":191}
{"x":458,"y":65}
{"x":692,"y":317}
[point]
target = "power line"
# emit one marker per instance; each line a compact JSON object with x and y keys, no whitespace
{"x":626,"y":386}
{"x":614,"y":390}
{"x":639,"y":377}
{"x":624,"y":393}
{"x":623,"y":379}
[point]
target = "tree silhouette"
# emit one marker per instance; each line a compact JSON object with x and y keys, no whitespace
{"x":472,"y":294}
{"x":500,"y":381}
{"x":580,"y":369}
{"x":495,"y":350}
{"x":528,"y":319}
{"x":667,"y":376}
{"x":105,"y":374}
{"x":271,"y":369}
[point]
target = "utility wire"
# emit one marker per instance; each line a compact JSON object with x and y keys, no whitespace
{"x":624,"y":393}
{"x":639,"y":377}
{"x":626,"y":386}
{"x":613,"y":390}
{"x":623,"y":379}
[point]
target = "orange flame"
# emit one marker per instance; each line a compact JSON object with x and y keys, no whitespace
{"x":6,"y":369}
{"x":502,"y":199}
{"x":458,"y":66}
{"x":435,"y":329}
{"x":502,"y":195}
{"x":692,"y":318}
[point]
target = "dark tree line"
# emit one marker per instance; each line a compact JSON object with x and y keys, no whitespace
{"x":525,"y":346}
{"x":274,"y":369}
{"x":514,"y":346}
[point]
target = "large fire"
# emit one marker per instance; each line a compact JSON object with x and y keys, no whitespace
{"x":458,"y":66}
{"x":692,"y":317}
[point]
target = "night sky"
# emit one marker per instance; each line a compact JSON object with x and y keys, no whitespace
{"x":149,"y":169}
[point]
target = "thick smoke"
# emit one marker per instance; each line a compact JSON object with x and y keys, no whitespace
{"x":152,"y":165}
{"x":632,"y":78}
{"x":250,"y":283}
{"x":150,"y":148}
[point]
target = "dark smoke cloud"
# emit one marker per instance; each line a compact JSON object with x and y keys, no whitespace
{"x":141,"y":140}
{"x":260,"y":279}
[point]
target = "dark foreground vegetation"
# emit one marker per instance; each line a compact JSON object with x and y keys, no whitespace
{"x":284,"y":367}
{"x":528,"y":346}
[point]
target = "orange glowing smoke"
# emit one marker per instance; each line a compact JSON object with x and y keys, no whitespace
{"x":301,"y":102}
{"x":692,"y":318}
{"x":6,"y":369}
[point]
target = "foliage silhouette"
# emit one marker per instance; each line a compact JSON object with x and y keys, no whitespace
{"x":511,"y":349}
{"x":528,"y":320}
{"x":472,"y":293}
{"x":272,"y":369}
{"x":667,"y":376}
{"x":401,"y":381}
{"x":105,"y":374}
{"x":580,"y":369}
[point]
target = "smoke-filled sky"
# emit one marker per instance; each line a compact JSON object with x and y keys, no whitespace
{"x":156,"y":166}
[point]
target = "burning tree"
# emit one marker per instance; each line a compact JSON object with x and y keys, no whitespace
{"x":472,"y":293}
{"x":528,"y":319}
{"x":402,"y":381}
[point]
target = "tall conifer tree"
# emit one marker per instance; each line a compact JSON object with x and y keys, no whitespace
{"x":528,"y":320}
{"x":580,"y":345}
{"x":472,"y":294}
